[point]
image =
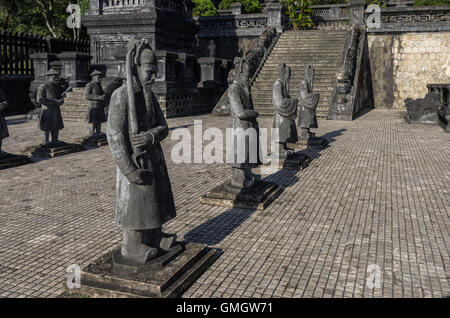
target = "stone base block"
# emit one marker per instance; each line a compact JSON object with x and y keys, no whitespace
{"x":313,"y":142}
{"x":92,"y":141}
{"x":296,"y":161}
{"x":51,"y":151}
{"x":11,"y":160}
{"x":258,"y":197}
{"x":169,"y":275}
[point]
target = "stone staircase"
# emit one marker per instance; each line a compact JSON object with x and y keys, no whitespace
{"x":75,"y":105}
{"x":321,"y":49}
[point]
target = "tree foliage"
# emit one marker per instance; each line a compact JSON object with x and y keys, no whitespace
{"x":250,"y":6}
{"x":299,"y":13}
{"x":204,"y":8}
{"x":40,"y":17}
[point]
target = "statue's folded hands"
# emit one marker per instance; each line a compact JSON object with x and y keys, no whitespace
{"x":142,"y":139}
{"x":140,"y":177}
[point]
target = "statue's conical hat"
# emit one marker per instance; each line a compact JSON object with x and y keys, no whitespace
{"x":96,"y":72}
{"x":52,"y":72}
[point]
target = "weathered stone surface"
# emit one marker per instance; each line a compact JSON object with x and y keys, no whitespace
{"x":257,"y":197}
{"x":169,"y":275}
{"x":92,"y":141}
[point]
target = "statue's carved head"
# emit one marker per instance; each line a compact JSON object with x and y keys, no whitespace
{"x":144,"y":61}
{"x":242,"y":72}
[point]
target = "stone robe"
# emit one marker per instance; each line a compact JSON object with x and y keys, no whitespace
{"x":139,"y":207}
{"x":285,"y":113}
{"x":307,"y":114}
{"x":95,"y":94}
{"x":240,"y":104}
{"x":3,"y":126}
{"x":50,"y":117}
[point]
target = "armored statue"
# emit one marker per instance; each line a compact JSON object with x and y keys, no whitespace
{"x":285,"y":111}
{"x":3,"y":127}
{"x":243,"y":120}
{"x":308,"y":104}
{"x":49,"y":96}
{"x":96,"y":96}
{"x":136,"y":126}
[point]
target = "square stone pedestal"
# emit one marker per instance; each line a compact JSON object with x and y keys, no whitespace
{"x":258,"y":197}
{"x":51,"y":151}
{"x":92,"y":141}
{"x":169,"y":275}
{"x":296,"y":161}
{"x":11,"y":160}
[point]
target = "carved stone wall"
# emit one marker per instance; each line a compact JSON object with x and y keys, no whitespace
{"x":402,"y":64}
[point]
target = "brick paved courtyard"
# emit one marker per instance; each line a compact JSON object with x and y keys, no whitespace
{"x":376,"y":199}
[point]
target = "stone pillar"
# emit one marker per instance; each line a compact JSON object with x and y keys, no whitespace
{"x":166,"y":66}
{"x":357,"y":12}
{"x":75,"y":67}
{"x":188,"y":73}
{"x":274,"y":15}
{"x":94,"y":7}
{"x":236,"y":8}
{"x":210,"y":71}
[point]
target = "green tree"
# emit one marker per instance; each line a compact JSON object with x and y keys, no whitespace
{"x":204,"y":8}
{"x":250,"y":6}
{"x":40,"y":17}
{"x":299,"y":13}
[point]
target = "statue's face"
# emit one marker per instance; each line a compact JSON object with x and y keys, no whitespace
{"x":287,"y":75}
{"x":244,"y":76}
{"x":54,"y":79}
{"x":147,"y":73}
{"x":97,"y":78}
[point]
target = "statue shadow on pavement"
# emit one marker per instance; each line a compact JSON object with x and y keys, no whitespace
{"x":218,"y":228}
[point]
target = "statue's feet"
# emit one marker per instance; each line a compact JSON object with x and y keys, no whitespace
{"x":167,"y":241}
{"x":140,"y":254}
{"x":46,"y":143}
{"x":58,"y":143}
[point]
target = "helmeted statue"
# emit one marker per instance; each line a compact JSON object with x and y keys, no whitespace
{"x":308,"y":104}
{"x":285,"y":111}
{"x":3,"y":126}
{"x":243,"y":118}
{"x":96,"y":96}
{"x":50,"y":99}
{"x":135,"y":128}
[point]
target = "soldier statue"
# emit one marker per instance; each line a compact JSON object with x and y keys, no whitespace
{"x":96,"y":96}
{"x":285,"y":111}
{"x":3,"y":127}
{"x":243,"y":120}
{"x":50,"y":98}
{"x":136,"y":126}
{"x":308,"y":103}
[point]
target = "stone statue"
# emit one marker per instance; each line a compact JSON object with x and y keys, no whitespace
{"x":135,"y":128}
{"x":50,"y":98}
{"x":3,"y":126}
{"x":96,"y":96}
{"x":308,"y":103}
{"x":423,"y":110}
{"x":285,"y":111}
{"x":244,"y":117}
